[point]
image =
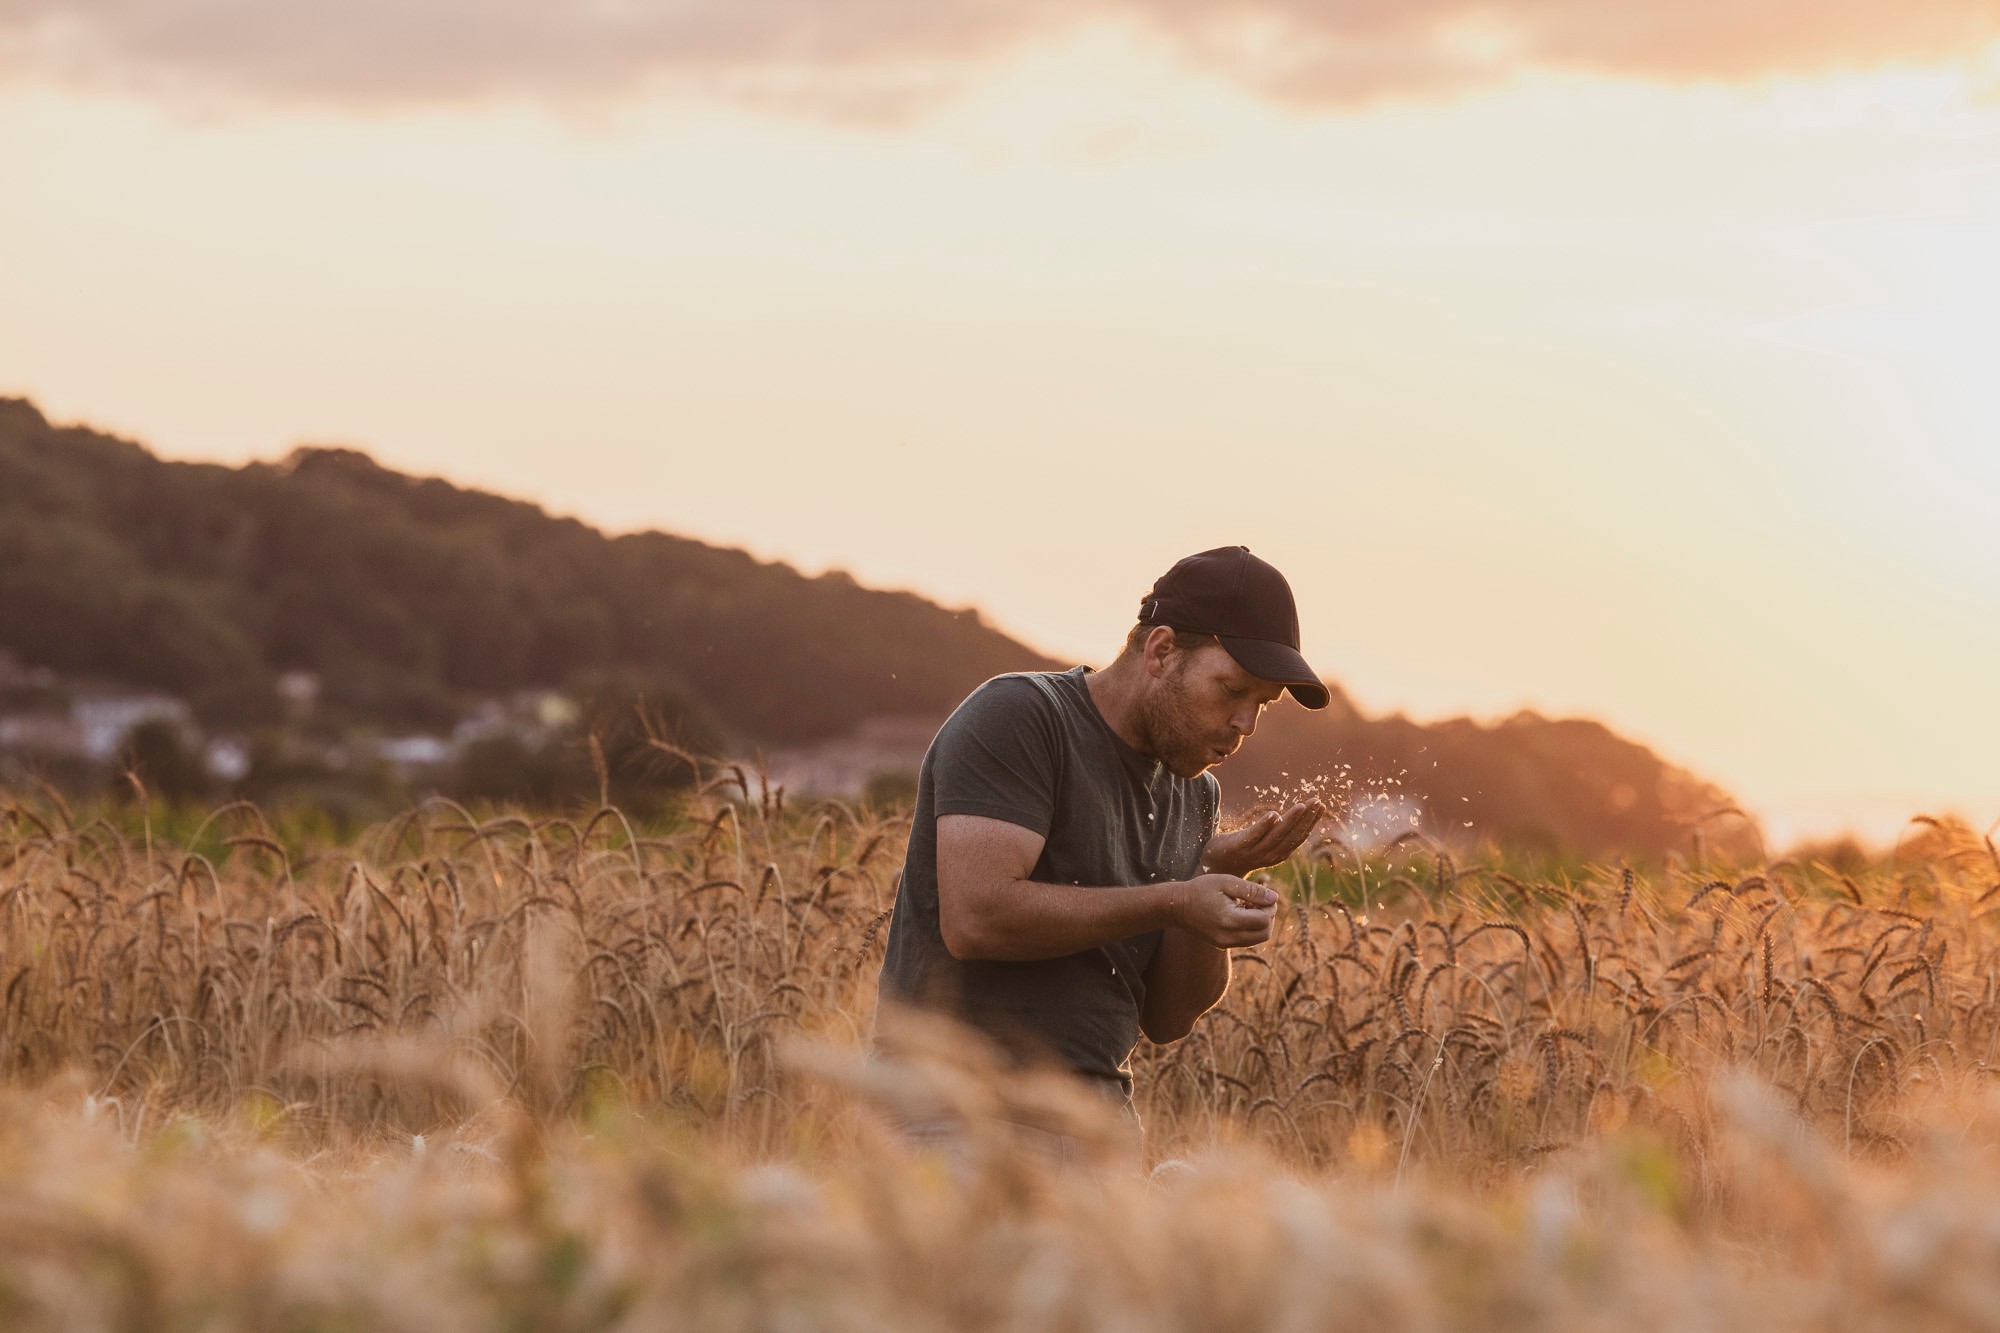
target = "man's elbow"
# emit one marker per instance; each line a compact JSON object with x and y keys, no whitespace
{"x":965,"y":937}
{"x":961,"y":942}
{"x":1173,"y":1018}
{"x":1163,"y":1029}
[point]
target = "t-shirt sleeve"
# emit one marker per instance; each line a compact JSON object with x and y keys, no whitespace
{"x":1000,"y":756}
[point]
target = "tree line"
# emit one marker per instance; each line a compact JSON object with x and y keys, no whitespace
{"x":411,"y":597}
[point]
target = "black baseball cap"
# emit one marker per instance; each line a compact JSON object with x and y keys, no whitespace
{"x":1247,"y":605}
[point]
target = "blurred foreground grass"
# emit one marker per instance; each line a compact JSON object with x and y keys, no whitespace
{"x":471,"y":1071}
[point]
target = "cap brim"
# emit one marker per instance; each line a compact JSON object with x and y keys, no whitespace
{"x":1280,"y":664}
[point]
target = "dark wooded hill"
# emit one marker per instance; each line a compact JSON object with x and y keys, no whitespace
{"x":413,"y":600}
{"x":410,"y":597}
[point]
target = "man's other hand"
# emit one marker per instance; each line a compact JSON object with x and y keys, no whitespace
{"x":1264,"y":841}
{"x":1228,"y":912}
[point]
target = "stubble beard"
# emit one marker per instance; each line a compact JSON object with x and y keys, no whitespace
{"x":1173,"y":731}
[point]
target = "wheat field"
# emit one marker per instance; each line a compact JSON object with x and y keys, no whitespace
{"x":478,"y":1071}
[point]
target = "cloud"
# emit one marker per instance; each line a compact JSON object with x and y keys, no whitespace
{"x":889,"y":54}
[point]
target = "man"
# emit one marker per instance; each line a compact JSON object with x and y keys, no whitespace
{"x":1066,"y":887}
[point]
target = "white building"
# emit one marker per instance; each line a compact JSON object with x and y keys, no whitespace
{"x":415,"y":751}
{"x":843,"y":767}
{"x":227,"y":758}
{"x":103,"y":720}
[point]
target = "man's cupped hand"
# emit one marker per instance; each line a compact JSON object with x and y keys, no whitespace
{"x":1264,"y":841}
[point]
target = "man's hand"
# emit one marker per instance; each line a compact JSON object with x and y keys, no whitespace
{"x":1228,"y":912}
{"x":1264,"y":841}
{"x":1212,"y":914}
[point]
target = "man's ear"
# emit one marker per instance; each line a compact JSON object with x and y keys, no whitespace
{"x":1158,"y":650}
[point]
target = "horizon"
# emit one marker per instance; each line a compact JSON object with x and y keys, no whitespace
{"x":1623,"y":368}
{"x":1891,"y":822}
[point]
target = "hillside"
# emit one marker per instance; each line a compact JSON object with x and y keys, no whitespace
{"x":414,"y":603}
{"x":411,"y":598}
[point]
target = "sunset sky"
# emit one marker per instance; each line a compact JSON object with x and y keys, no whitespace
{"x":1632,"y":361}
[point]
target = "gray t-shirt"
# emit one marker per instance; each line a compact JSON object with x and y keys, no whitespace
{"x":1033,"y":750}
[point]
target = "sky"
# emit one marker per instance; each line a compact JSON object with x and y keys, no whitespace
{"x":1622,"y":361}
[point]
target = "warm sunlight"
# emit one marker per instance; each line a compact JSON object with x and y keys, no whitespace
{"x":1275,"y":665}
{"x":1643,"y":389}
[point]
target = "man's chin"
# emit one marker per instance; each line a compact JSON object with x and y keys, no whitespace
{"x":1193,"y":766}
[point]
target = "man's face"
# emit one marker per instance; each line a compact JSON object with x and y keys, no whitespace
{"x":1200,"y":706}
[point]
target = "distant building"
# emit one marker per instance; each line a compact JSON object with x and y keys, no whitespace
{"x":530,"y":716}
{"x":41,"y":734}
{"x":554,"y":710}
{"x":881,"y":747}
{"x":103,"y":720}
{"x":227,"y":759}
{"x":299,"y":690}
{"x":416,"y":751}
{"x":42,"y":714}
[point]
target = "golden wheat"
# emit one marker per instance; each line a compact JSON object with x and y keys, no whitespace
{"x":577,"y":1041}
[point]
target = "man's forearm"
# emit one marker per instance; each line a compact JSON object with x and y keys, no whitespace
{"x":1185,"y":979}
{"x":1023,"y":920}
